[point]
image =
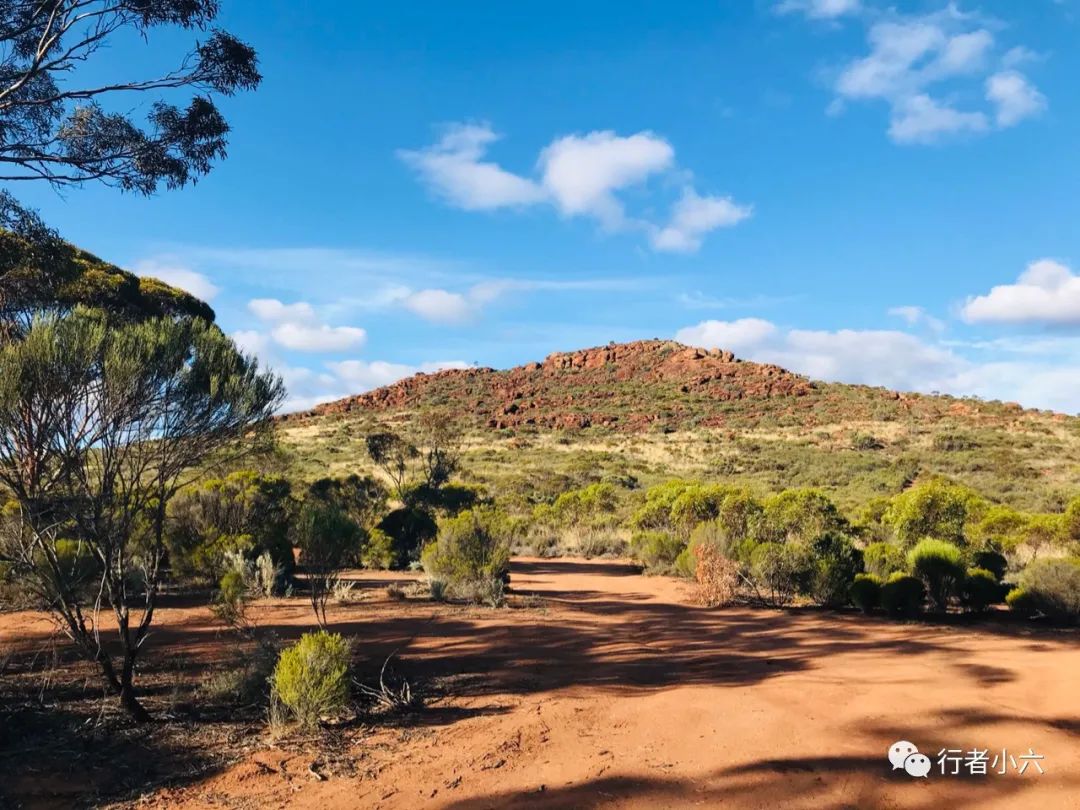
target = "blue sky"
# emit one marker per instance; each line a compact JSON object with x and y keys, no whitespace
{"x":858,"y":191}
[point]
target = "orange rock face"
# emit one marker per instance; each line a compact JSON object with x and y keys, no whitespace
{"x":618,"y":385}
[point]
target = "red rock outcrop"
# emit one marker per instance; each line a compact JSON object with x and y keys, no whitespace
{"x":625,"y":385}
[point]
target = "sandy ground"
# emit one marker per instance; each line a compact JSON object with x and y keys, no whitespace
{"x":613,"y":690}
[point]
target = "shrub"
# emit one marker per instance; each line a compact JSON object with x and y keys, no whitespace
{"x":993,"y":562}
{"x":836,"y":561}
{"x":883,"y":559}
{"x":779,"y":571}
{"x":471,"y":554}
{"x":717,"y":577}
{"x":980,"y":589}
{"x":1022,"y":602}
{"x":800,"y":515}
{"x":933,"y":508}
{"x":328,"y":540}
{"x":656,"y":550}
{"x":1052,"y":587}
{"x":410,"y":528}
{"x":940,"y":566}
{"x":865,"y":592}
{"x":903,"y":594}
{"x":378,"y":552}
{"x":311,"y":679}
{"x":230,"y":603}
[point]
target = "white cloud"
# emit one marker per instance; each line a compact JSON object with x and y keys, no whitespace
{"x":911,"y":57}
{"x":819,"y":9}
{"x":921,"y":119}
{"x":297,"y":326}
{"x":578,"y":175}
{"x":917,"y":316}
{"x":178,"y":276}
{"x":582,"y":172}
{"x":272,"y":310}
{"x":740,"y":335}
{"x":318,"y":338}
{"x":1047,"y":292}
{"x":361,"y":375}
{"x":1042,"y":377}
{"x":454,"y":169}
{"x":1014,"y":97}
{"x":695,"y":216}
{"x":440,"y":306}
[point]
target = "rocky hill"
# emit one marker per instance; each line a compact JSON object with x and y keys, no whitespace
{"x":643,"y":385}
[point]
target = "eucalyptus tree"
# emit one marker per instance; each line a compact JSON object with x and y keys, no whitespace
{"x":101,"y":423}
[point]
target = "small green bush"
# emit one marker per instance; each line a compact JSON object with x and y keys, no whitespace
{"x":940,"y":566}
{"x":865,"y":591}
{"x":779,"y":571}
{"x":991,"y":561}
{"x":836,"y":561}
{"x":471,"y":555}
{"x":903,"y":594}
{"x":1022,"y":602}
{"x":1052,"y":587}
{"x":883,"y":559}
{"x":311,"y":679}
{"x":980,"y":589}
{"x":656,"y":550}
{"x":378,"y":552}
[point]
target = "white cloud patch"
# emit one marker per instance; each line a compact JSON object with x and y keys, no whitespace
{"x":454,"y":169}
{"x":362,"y":375}
{"x":440,"y":306}
{"x":917,"y":316}
{"x":901,"y":361}
{"x":579,"y":176}
{"x":297,"y":327}
{"x":819,"y":9}
{"x":1046,"y":293}
{"x":178,"y":276}
{"x":1014,"y":97}
{"x":695,"y":216}
{"x":935,"y":71}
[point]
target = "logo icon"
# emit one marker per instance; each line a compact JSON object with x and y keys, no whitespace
{"x":905,"y":755}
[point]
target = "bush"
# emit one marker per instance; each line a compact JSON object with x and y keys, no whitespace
{"x":865,"y":591}
{"x":993,"y":562}
{"x":311,"y":679}
{"x":1051,"y":587}
{"x":656,"y":550}
{"x":378,"y":552}
{"x":836,"y":562}
{"x":410,"y":528}
{"x":883,"y":559}
{"x":471,"y":555}
{"x":779,"y":571}
{"x":903,"y":594}
{"x":940,"y":566}
{"x":717,"y":576}
{"x":980,"y":589}
{"x":1022,"y":602}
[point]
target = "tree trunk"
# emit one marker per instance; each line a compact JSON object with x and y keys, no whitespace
{"x":124,"y":687}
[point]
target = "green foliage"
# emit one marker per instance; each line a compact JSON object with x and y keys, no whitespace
{"x":883,"y":559}
{"x":991,"y":561}
{"x":933,"y":508}
{"x":311,"y":679}
{"x":589,"y":506}
{"x":656,"y":550}
{"x":245,"y":512}
{"x":980,"y":589}
{"x":940,"y":565}
{"x":362,"y":498}
{"x":409,"y":528}
{"x":378,"y":552}
{"x":1021,"y":601}
{"x":329,"y":541}
{"x":865,"y":591}
{"x":1002,"y":528}
{"x":1052,"y":587}
{"x":800,"y":515}
{"x":472,"y":554}
{"x":835,"y":563}
{"x":780,"y":571}
{"x":1071,"y":521}
{"x":903,"y":594}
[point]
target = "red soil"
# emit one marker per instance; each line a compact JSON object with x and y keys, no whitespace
{"x":617,"y":692}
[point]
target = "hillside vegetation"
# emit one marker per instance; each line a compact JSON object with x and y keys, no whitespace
{"x":640,"y":413}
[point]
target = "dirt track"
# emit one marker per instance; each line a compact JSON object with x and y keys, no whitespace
{"x":615,"y":692}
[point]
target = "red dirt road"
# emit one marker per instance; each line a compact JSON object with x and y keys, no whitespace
{"x":617,"y":692}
